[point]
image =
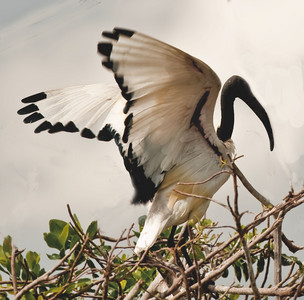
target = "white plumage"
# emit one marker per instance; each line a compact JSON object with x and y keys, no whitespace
{"x":161,"y":117}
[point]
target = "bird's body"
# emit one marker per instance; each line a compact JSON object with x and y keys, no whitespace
{"x":161,"y":117}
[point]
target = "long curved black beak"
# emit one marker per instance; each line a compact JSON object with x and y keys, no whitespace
{"x":237,"y":87}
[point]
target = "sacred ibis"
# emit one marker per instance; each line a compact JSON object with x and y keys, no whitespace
{"x":160,"y":114}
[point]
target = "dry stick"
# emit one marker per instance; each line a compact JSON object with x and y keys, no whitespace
{"x":277,"y":254}
{"x":77,"y":258}
{"x":198,"y":278}
{"x":237,"y":219}
{"x":206,"y":180}
{"x":250,"y":188}
{"x":200,"y":197}
{"x":299,"y":289}
{"x":13,"y":269}
{"x":288,"y":275}
{"x":108,"y":267}
{"x":80,"y":232}
{"x":228,"y":290}
{"x":135,"y":290}
{"x":277,"y":234}
{"x":272,"y":291}
{"x":45,"y":276}
{"x":267,"y":268}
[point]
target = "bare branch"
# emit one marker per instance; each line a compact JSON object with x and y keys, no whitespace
{"x":13,"y":268}
{"x":250,"y":188}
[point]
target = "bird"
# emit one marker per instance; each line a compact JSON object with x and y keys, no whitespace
{"x":160,"y":115}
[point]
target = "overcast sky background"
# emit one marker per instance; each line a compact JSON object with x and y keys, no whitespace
{"x":52,"y":44}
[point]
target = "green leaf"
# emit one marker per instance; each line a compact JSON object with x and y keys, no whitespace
{"x":70,"y":287}
{"x":285,"y":260}
{"x":225,"y":273}
{"x":123,"y":284}
{"x":32,"y":259}
{"x":245,"y":270}
{"x":7,"y":245}
{"x":64,"y":235}
{"x":74,"y":240}
{"x":77,"y":221}
{"x":52,"y":240}
{"x":83,"y":282}
{"x":148,"y":274}
{"x":56,"y":226}
{"x":91,"y":264}
{"x":4,"y":271}
{"x":28,"y":296}
{"x":54,"y":256}
{"x":3,"y":257}
{"x":137,"y":274}
{"x":53,"y":290}
{"x":237,"y":270}
{"x":141,"y":220}
{"x":261,"y":264}
{"x":198,"y":252}
{"x":234,"y":297}
{"x":92,"y":229}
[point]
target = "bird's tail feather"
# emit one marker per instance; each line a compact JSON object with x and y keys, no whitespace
{"x":154,"y":225}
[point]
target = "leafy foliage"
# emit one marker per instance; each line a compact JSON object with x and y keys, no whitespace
{"x":87,"y":264}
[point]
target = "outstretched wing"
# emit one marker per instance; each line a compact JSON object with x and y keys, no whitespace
{"x":80,"y":108}
{"x":168,"y":97}
{"x":167,"y":92}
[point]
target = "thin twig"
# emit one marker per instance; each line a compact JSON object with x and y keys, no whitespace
{"x":198,"y":278}
{"x":299,"y":289}
{"x":135,"y":290}
{"x":206,"y":180}
{"x":200,"y":197}
{"x":237,"y":219}
{"x":250,"y":188}
{"x":13,"y":270}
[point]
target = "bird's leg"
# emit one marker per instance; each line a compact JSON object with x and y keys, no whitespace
{"x":171,"y":243}
{"x":186,"y":234}
{"x":183,"y":248}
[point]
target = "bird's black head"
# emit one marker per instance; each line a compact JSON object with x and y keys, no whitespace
{"x":237,"y":87}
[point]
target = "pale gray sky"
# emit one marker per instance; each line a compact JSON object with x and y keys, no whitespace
{"x":46,"y":45}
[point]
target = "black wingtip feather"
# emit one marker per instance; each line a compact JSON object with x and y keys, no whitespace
{"x":108,"y":64}
{"x":46,"y":125}
{"x":71,"y":127}
{"x":128,"y":124}
{"x":28,"y":109}
{"x":33,"y":118}
{"x":106,"y":134}
{"x":119,"y":80}
{"x":110,"y":35}
{"x":34,"y":98}
{"x":56,"y":128}
{"x":105,"y":48}
{"x":123,"y":31}
{"x":127,"y":106}
{"x":87,"y":133}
